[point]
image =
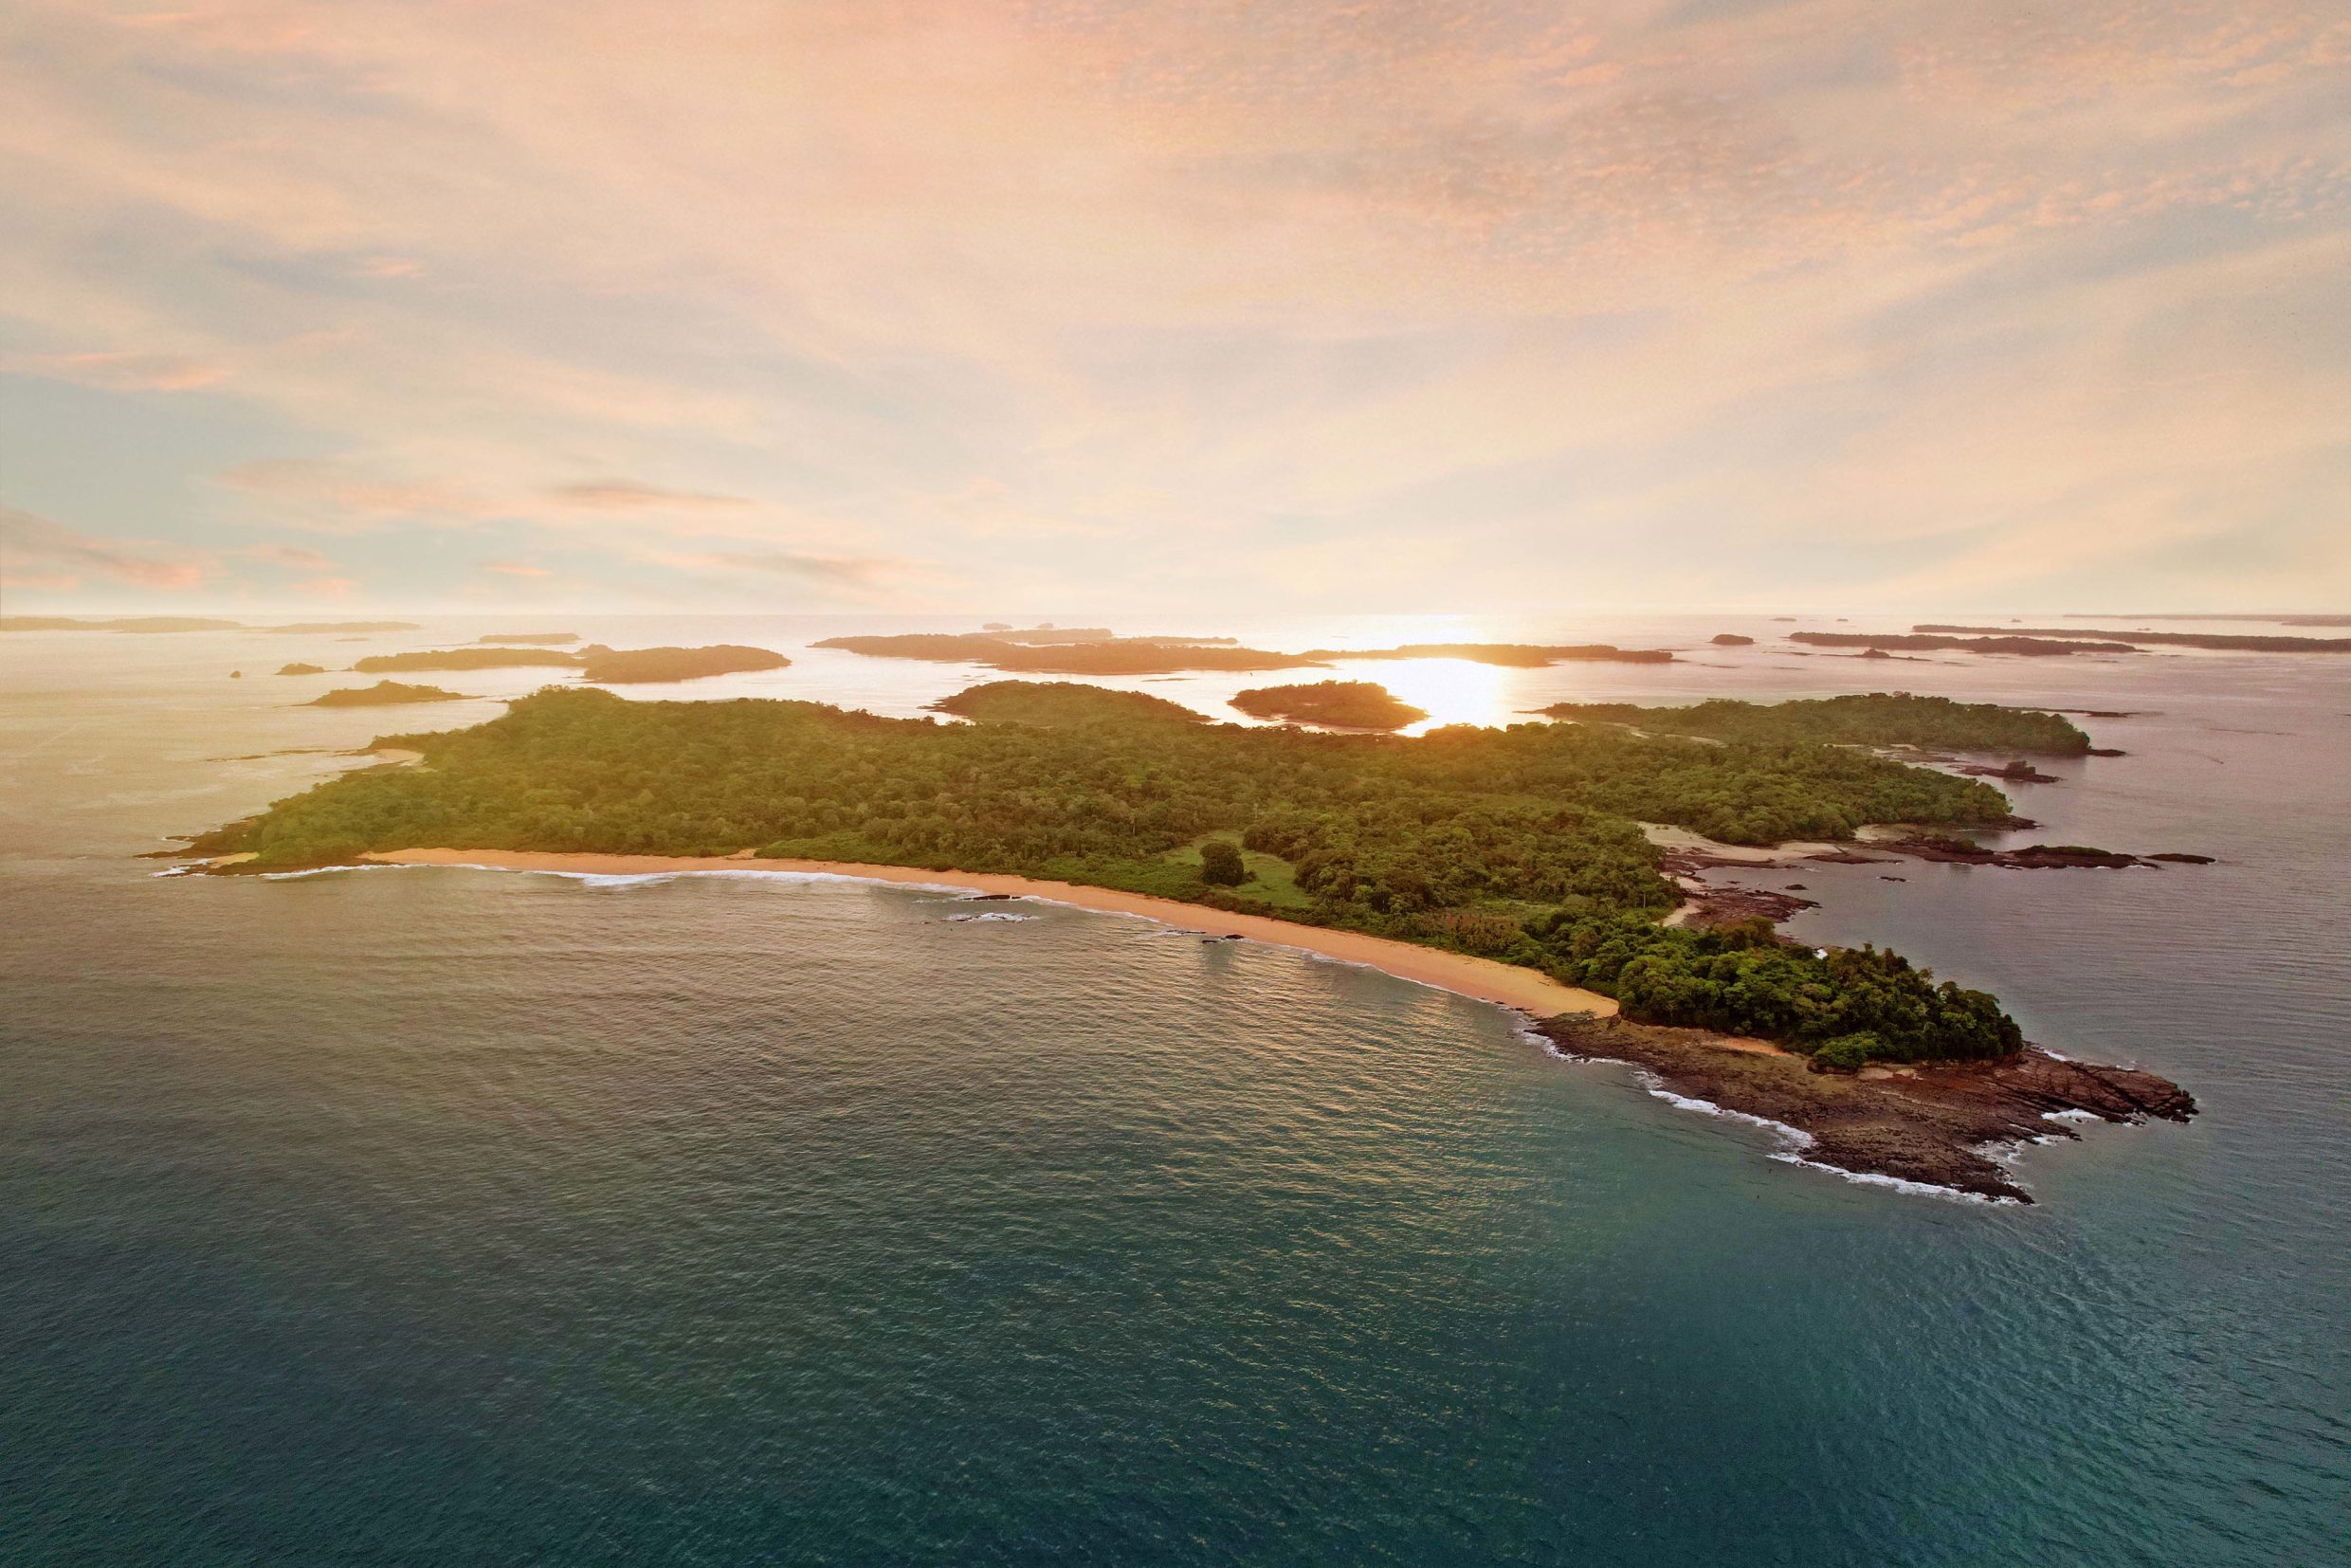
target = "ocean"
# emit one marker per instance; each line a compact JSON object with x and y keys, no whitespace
{"x":448,"y":1217}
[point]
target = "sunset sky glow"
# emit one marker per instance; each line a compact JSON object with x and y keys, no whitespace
{"x":1387,"y":304}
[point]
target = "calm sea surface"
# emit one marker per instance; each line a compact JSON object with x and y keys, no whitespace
{"x":426,"y":1216}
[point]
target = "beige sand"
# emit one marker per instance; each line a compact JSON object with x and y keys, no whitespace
{"x":1668,"y":837}
{"x":1506,"y":985}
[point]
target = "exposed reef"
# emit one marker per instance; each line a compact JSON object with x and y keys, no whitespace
{"x":1940,"y":1124}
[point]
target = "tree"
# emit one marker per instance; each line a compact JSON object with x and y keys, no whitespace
{"x":1220,"y":865}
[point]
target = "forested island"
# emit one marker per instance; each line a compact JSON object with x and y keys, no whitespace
{"x":1060,"y":702}
{"x":464,"y":658}
{"x":128,"y":623}
{"x":594,"y":662}
{"x":187,"y":623}
{"x":1333,"y":704}
{"x":1519,"y":844}
{"x":384,"y":694}
{"x":637,"y":664}
{"x":1104,"y":655}
{"x":2214,"y":641}
{"x":1875,"y":718}
{"x":302,"y":669}
{"x":2020,"y":646}
{"x":1510,"y":655}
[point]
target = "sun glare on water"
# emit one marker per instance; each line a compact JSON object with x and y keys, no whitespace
{"x":1453,"y":692}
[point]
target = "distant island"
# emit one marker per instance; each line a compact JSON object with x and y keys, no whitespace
{"x":1517,"y":847}
{"x":302,"y":669}
{"x":384,"y":694}
{"x":1102,"y":654}
{"x":1333,"y":704}
{"x":610,"y":666}
{"x":531,"y":639}
{"x":464,"y":658}
{"x":2273,"y":620}
{"x":2220,"y":641}
{"x":1512,"y":655}
{"x":1731,"y":639}
{"x":187,"y":623}
{"x":1087,"y":656}
{"x":2021,"y":646}
{"x":1877,"y":718}
{"x":135,"y":623}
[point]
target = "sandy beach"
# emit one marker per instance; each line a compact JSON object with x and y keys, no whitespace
{"x":1506,"y":985}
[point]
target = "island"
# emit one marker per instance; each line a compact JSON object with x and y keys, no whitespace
{"x":530,"y":638}
{"x":187,"y":623}
{"x":2020,"y":646}
{"x":1332,"y":704}
{"x":1517,"y":849}
{"x":594,"y":662}
{"x":1061,"y":702}
{"x":1510,"y":655}
{"x":1731,"y":639}
{"x":132,"y":623}
{"x":1104,"y":655}
{"x":302,"y":669}
{"x":464,"y":658}
{"x":2217,"y":641}
{"x":384,"y":694}
{"x":1873,"y":718}
{"x":612,"y":668}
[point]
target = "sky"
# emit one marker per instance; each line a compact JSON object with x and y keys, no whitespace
{"x":1082,"y":306}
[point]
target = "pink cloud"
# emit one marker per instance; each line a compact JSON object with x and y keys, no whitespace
{"x":126,"y":371}
{"x":53,"y":547}
{"x":293,"y":557}
{"x":625,"y":495}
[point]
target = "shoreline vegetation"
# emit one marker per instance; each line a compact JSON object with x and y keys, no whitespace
{"x":1522,"y":847}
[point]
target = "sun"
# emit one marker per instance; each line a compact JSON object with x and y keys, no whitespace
{"x":1453,"y":692}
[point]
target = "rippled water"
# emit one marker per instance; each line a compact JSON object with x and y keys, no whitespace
{"x":441,"y":1217}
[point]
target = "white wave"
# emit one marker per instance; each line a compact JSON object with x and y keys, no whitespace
{"x":322,"y":871}
{"x":992,"y":915}
{"x":1796,"y":1138}
{"x":1900,"y":1184}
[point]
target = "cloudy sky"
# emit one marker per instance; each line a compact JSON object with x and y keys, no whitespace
{"x":1094,"y":304}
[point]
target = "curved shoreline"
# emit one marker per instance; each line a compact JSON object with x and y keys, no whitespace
{"x":1481,"y":979}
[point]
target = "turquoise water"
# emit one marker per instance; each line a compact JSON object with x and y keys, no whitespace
{"x":448,"y":1216}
